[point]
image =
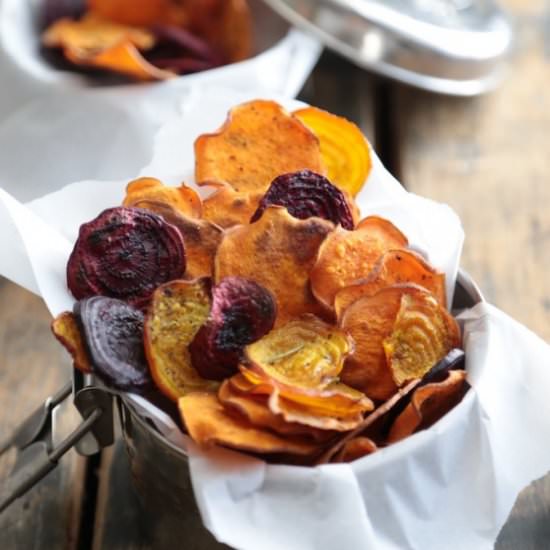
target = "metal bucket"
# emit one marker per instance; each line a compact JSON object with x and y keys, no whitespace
{"x":161,"y":475}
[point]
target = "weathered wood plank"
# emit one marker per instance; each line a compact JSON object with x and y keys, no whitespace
{"x":32,"y":367}
{"x":489,"y":158}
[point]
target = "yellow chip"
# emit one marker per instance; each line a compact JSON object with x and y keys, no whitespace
{"x":344,"y":149}
{"x":66,"y":330}
{"x":178,"y":309}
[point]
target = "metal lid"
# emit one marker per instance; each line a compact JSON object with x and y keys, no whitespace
{"x":454,"y":47}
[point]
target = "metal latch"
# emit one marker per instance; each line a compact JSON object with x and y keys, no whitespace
{"x":37,"y":455}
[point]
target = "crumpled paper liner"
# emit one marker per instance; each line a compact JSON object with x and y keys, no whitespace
{"x":57,"y":127}
{"x":450,"y":486}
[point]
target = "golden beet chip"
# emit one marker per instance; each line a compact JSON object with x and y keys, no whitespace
{"x":143,"y":13}
{"x":226,"y":207}
{"x":201,"y":238}
{"x":258,"y":142}
{"x":344,"y":149}
{"x":394,"y":267}
{"x":177,"y":311}
{"x":183,"y":199}
{"x":369,"y":321}
{"x":356,"y":448}
{"x":305,"y":352}
{"x":423,"y":333}
{"x":209,"y":423}
{"x":428,"y":404}
{"x":257,"y":412}
{"x":278,"y":252}
{"x":347,"y":256}
{"x":66,"y":330}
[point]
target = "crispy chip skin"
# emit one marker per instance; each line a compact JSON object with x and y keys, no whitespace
{"x":66,"y":330}
{"x":347,"y":256}
{"x":201,"y":238}
{"x":423,"y":333}
{"x":209,"y":423}
{"x":177,"y":311}
{"x":428,"y":404}
{"x":278,"y":252}
{"x":344,"y":149}
{"x":393,"y":267}
{"x":226,"y":207}
{"x":183,"y":199}
{"x":131,"y":12}
{"x":355,"y":449}
{"x":258,"y":142}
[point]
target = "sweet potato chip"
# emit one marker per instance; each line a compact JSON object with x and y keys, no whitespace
{"x":278,"y":252}
{"x":347,"y":256}
{"x":428,"y":404}
{"x":142,"y":13}
{"x":304,"y":414}
{"x":344,"y":149}
{"x":257,"y":412}
{"x":394,"y":267}
{"x":122,"y":58}
{"x":356,"y":448}
{"x":369,"y":321}
{"x":92,"y":34}
{"x":258,"y":142}
{"x":66,"y":330}
{"x":183,"y":199}
{"x":226,"y":207}
{"x":305,"y":352}
{"x":201,"y":238}
{"x":177,"y":311}
{"x":423,"y":333}
{"x":209,"y":423}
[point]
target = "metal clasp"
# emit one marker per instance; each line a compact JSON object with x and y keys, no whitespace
{"x":36,"y":453}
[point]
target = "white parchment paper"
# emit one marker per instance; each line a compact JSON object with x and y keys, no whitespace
{"x":57,"y":127}
{"x":451,"y":486}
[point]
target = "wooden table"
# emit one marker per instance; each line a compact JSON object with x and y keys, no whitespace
{"x":488,"y":157}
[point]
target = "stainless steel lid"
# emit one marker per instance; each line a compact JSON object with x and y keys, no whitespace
{"x":454,"y":47}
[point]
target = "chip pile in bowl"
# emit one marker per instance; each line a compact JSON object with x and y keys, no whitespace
{"x":279,"y":322}
{"x":145,"y":40}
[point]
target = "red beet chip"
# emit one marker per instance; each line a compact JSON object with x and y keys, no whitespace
{"x":113,"y":332}
{"x":125,"y":253}
{"x":242,"y":312}
{"x":52,"y":10}
{"x":306,"y":194}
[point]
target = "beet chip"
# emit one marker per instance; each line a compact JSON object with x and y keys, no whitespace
{"x":113,"y":331}
{"x":125,"y":253}
{"x":242,"y":312}
{"x":305,"y":194}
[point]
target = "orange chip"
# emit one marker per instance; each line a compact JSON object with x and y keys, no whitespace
{"x":258,"y":142}
{"x":394,"y":267}
{"x":178,"y":309}
{"x":369,"y":321}
{"x":122,"y":58}
{"x":423,"y":333}
{"x":428,"y":404}
{"x":304,"y":414}
{"x":91,"y":34}
{"x":356,"y":448}
{"x":277,"y":252}
{"x":201,"y":238}
{"x":66,"y":330}
{"x":226,"y":207}
{"x":257,"y":412}
{"x":143,"y":13}
{"x":347,"y":256}
{"x":183,"y":199}
{"x":344,"y":149}
{"x":209,"y":423}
